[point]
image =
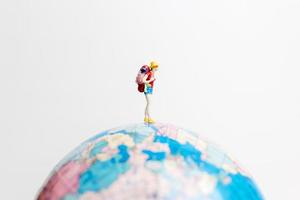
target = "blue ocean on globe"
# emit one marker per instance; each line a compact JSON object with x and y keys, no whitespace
{"x":148,"y":162}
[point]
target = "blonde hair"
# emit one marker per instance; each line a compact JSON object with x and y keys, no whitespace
{"x":153,"y":65}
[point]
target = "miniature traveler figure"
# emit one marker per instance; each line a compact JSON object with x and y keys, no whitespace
{"x":145,"y":80}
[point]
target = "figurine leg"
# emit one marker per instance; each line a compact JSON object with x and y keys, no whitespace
{"x":148,"y":118}
{"x":147,"y":115}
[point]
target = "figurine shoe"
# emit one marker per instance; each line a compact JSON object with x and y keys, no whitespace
{"x":151,"y":121}
{"x":146,"y":119}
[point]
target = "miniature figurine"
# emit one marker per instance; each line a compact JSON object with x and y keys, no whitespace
{"x":145,"y":80}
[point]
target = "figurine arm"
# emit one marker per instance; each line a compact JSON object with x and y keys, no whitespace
{"x":145,"y":79}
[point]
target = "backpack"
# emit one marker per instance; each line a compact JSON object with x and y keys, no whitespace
{"x":140,"y":76}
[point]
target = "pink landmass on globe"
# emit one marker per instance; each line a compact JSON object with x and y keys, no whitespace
{"x":64,"y":181}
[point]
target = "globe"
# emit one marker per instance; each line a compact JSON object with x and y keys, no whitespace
{"x":148,"y":161}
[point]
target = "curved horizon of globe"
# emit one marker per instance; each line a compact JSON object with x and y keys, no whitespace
{"x":181,"y":165}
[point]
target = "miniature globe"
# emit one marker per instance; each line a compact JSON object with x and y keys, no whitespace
{"x":143,"y":161}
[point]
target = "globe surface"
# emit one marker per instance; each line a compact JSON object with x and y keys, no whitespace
{"x":142,"y":161}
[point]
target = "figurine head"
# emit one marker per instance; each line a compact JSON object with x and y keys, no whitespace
{"x":153,"y":66}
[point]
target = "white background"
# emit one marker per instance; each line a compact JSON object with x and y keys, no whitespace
{"x":229,"y":70}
